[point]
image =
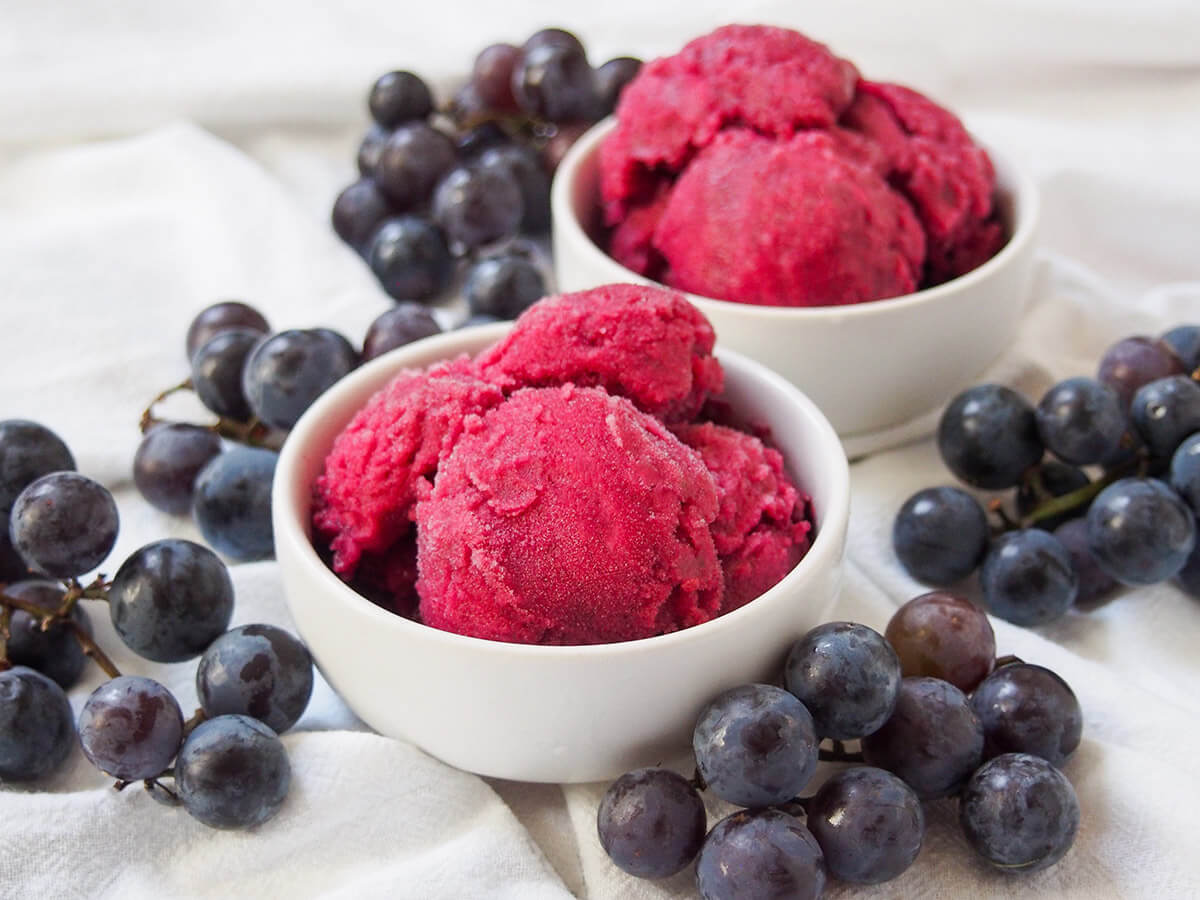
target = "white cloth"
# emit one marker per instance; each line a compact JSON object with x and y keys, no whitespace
{"x":158,"y":157}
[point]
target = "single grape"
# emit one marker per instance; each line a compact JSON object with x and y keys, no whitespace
{"x":933,"y":740}
{"x":171,"y":599}
{"x":1080,"y":420}
{"x":55,"y":652}
{"x":847,"y":676}
{"x":525,"y":167}
{"x":232,"y":503}
{"x":167,"y":462}
{"x":1028,"y":709}
{"x":491,"y":76}
{"x":1095,"y":584}
{"x":755,"y":745}
{"x":503,"y":286}
{"x":1140,"y":531}
{"x":611,"y":79}
{"x":1048,"y":480}
{"x":869,"y":824}
{"x":370,"y":149}
{"x":288,"y":371}
{"x":1165,"y":412}
{"x":475,"y":140}
{"x":475,"y":206}
{"x":467,"y":106}
{"x":1185,"y":341}
{"x":27,"y":452}
{"x":358,"y":212}
{"x":64,"y":524}
{"x":1027,"y":578}
{"x":1185,"y":471}
{"x":399,"y":97}
{"x":940,"y":535}
{"x":345,"y":356}
{"x":402,"y":324}
{"x":410,"y":258}
{"x":1019,"y":812}
{"x":212,"y":320}
{"x":217,"y":372}
{"x":37,"y":727}
{"x":1189,"y":576}
{"x":554,"y":81}
{"x":232,"y":772}
{"x":651,"y":822}
{"x":557,"y":37}
{"x":413,"y":158}
{"x":943,"y":635}
{"x":259,"y":671}
{"x":759,"y":854}
{"x":988,"y":436}
{"x":1134,"y":361}
{"x":131,"y":728}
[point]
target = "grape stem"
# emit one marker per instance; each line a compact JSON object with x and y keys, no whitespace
{"x":149,"y":420}
{"x":197,"y":717}
{"x":839,"y":753}
{"x":1054,"y":506}
{"x":1009,"y":660}
{"x":253,"y":432}
{"x":50,"y":617}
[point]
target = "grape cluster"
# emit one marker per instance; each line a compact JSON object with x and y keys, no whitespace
{"x":1106,"y":478}
{"x":170,"y":601}
{"x":935,"y":714}
{"x":448,"y":188}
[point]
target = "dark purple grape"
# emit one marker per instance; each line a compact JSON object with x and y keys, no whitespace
{"x":1028,"y":709}
{"x":503,"y":286}
{"x":410,"y":258}
{"x":232,"y":503}
{"x":611,"y":79}
{"x":1134,"y":361}
{"x":12,"y":567}
{"x":755,"y":745}
{"x":478,"y":319}
{"x":1165,"y":412}
{"x":358,"y":212}
{"x":940,"y":535}
{"x":1140,"y":531}
{"x":1019,"y":813}
{"x":1081,"y":420}
{"x":1188,"y":577}
{"x":1185,"y":472}
{"x":847,"y":676}
{"x":1095,"y":584}
{"x":167,"y":462}
{"x":411,"y":162}
{"x":232,"y":772}
{"x":131,"y":728}
{"x":64,"y":524}
{"x":1027,"y":578}
{"x":943,"y":635}
{"x":554,"y":81}
{"x":560,"y":142}
{"x":288,"y":371}
{"x":217,"y":372}
{"x":760,"y":854}
{"x":651,"y":822}
{"x":171,"y":599}
{"x":988,"y":437}
{"x":933,"y":740}
{"x":55,"y":652}
{"x":212,"y":320}
{"x":27,"y":452}
{"x":402,"y":324}
{"x":554,"y":37}
{"x":492,"y":76}
{"x":259,"y":671}
{"x":476,"y":206}
{"x":37,"y":727}
{"x":525,"y":167}
{"x":370,"y":149}
{"x":399,"y":97}
{"x":869,"y":825}
{"x":1046,"y":481}
{"x":484,"y":136}
{"x":467,"y":105}
{"x":345,"y":355}
{"x":1185,"y":341}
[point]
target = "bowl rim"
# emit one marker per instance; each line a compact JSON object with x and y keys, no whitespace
{"x":1013,"y":179}
{"x":827,"y":546}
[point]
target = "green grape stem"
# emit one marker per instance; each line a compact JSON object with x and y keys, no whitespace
{"x":1069,"y":502}
{"x":50,"y":617}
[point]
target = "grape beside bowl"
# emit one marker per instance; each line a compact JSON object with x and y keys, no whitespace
{"x":551,"y":713}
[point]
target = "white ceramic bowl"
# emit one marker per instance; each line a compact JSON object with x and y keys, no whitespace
{"x":871,"y":366}
{"x":551,"y":714}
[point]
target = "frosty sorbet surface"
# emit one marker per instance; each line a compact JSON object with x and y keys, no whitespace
{"x":756,"y":166}
{"x":564,"y":486}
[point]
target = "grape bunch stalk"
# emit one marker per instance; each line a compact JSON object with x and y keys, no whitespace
{"x":1105,"y":472}
{"x":169,"y":601}
{"x":934,"y":713}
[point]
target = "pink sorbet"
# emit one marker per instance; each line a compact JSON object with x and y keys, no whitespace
{"x":763,"y":526}
{"x":566,"y":516}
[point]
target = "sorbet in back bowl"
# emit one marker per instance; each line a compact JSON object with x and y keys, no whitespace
{"x":563,"y":487}
{"x":757,"y":166}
